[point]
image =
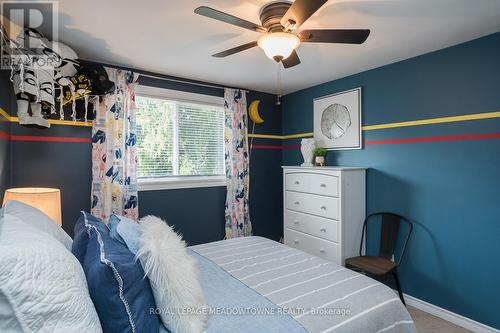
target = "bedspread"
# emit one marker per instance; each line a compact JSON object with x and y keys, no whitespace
{"x":319,"y":295}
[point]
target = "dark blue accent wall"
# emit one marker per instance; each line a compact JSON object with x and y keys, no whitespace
{"x":196,"y":213}
{"x":6,"y":104}
{"x":62,"y":165}
{"x":266,"y":197}
{"x":449,"y":189}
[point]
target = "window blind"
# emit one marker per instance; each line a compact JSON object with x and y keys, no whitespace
{"x":178,"y":138}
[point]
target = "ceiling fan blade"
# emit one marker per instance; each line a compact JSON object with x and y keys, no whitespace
{"x":235,"y":50}
{"x":291,"y":61}
{"x":334,"y":36}
{"x":224,"y":17}
{"x":299,"y":12}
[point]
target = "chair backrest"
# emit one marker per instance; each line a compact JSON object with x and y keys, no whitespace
{"x":389,"y":229}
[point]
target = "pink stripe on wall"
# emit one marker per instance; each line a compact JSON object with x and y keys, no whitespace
{"x":34,"y":138}
{"x":435,"y":139}
{"x":423,"y":139}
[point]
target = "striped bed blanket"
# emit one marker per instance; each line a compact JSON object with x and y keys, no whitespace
{"x":319,"y":295}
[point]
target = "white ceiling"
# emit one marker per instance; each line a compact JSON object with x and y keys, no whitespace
{"x":165,"y":36}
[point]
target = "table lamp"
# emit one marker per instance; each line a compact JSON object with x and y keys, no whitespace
{"x":48,"y":200}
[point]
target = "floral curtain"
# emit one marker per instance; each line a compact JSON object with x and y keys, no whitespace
{"x":114,"y":150}
{"x":237,"y":164}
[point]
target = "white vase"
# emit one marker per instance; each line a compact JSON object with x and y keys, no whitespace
{"x":306,"y":148}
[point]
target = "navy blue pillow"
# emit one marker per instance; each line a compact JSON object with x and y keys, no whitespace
{"x":117,"y":284}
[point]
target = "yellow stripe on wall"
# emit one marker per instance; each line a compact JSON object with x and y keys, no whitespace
{"x":474,"y":116}
{"x":70,"y":123}
{"x":5,"y":115}
{"x":51,"y":121}
{"x":452,"y":119}
{"x":280,"y":137}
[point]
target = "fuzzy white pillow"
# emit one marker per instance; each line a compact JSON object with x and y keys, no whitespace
{"x":173,"y":275}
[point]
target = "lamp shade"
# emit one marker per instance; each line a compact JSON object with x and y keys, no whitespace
{"x":48,"y":200}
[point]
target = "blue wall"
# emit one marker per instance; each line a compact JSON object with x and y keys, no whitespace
{"x":266,"y":197}
{"x":196,"y":213}
{"x":450,"y":189}
{"x":6,"y":100}
{"x":50,"y":164}
{"x":63,"y":165}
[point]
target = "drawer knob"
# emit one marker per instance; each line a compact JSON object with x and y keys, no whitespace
{"x":322,"y":250}
{"x":297,"y":203}
{"x":297,"y":182}
{"x":296,"y":241}
{"x":295,"y":222}
{"x":323,"y":185}
{"x":322,"y":229}
{"x":323,"y":207}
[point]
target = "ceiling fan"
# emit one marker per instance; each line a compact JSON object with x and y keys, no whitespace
{"x":280,"y":36}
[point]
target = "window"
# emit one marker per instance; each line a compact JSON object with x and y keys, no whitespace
{"x":180,"y":139}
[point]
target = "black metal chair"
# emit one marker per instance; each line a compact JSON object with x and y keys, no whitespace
{"x":383,"y":264}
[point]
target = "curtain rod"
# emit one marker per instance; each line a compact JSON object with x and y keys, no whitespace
{"x":164,"y":76}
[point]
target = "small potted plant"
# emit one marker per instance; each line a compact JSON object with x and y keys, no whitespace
{"x":319,"y":156}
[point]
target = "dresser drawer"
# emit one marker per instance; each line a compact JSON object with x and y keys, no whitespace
{"x":312,"y":204}
{"x":313,"y":245}
{"x":313,"y":225}
{"x":312,"y":183}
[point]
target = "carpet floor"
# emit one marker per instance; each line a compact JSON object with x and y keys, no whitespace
{"x":427,"y":323}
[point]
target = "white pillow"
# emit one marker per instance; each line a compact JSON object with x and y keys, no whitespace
{"x":8,"y":320}
{"x":37,"y":219}
{"x":42,"y":282}
{"x":173,"y":275}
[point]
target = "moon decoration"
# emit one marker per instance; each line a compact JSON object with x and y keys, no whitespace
{"x":253,"y":112}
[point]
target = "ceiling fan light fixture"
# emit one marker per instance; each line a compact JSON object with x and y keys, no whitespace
{"x":278,"y":45}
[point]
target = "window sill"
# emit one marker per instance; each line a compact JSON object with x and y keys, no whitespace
{"x":157,"y":184}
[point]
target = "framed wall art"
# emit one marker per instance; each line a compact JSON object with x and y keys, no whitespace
{"x":337,"y":120}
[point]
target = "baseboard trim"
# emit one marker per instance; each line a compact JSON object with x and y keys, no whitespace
{"x":452,"y":317}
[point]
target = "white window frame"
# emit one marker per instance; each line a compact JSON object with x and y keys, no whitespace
{"x":179,"y":182}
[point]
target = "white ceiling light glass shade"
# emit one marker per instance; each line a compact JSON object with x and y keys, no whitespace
{"x":278,"y":45}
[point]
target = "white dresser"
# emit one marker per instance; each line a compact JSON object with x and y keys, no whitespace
{"x":324,"y":209}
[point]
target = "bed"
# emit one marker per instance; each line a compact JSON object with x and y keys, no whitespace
{"x":249,"y":284}
{"x":254,"y":284}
